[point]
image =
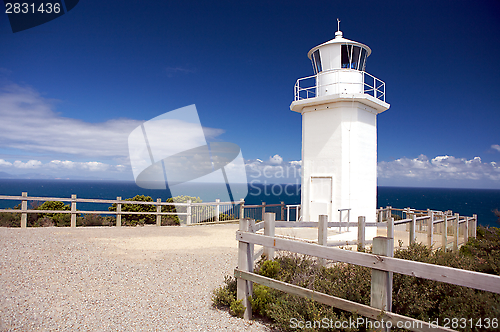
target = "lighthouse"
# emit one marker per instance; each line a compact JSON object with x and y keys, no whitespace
{"x":339,"y":106}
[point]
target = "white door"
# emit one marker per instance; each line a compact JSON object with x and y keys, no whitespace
{"x":321,"y":197}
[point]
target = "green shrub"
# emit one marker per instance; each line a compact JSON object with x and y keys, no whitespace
{"x":137,"y":219}
{"x":237,"y":308}
{"x":414,"y":297}
{"x":8,"y":219}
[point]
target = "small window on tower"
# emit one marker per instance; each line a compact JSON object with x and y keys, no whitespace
{"x":316,"y":59}
{"x":345,"y":50}
{"x":355,"y":57}
{"x":362,"y":61}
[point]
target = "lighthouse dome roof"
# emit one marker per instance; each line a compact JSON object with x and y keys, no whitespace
{"x":339,"y":39}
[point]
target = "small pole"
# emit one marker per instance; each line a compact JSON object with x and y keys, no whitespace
{"x":361,"y":233}
{"x":390,"y":228}
{"x":217,"y":209}
{"x":263,"y":210}
{"x":322,"y":234}
{"x":444,"y":236}
{"x":282,"y":211}
{"x":430,"y":228}
{"x":455,"y":233}
{"x":466,"y":230}
{"x":188,"y":210}
{"x":474,"y":226}
{"x":24,"y":208}
{"x":269,"y":230}
{"x":73,"y":211}
{"x":242,"y":285}
{"x":381,"y":285}
{"x":118,"y":212}
{"x":158,"y":211}
{"x":242,"y":208}
{"x":413,"y":226}
{"x":288,"y":213}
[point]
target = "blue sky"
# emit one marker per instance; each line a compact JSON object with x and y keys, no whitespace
{"x":71,"y":90}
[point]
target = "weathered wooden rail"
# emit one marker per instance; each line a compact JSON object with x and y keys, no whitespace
{"x":195,"y":213}
{"x":381,"y":262}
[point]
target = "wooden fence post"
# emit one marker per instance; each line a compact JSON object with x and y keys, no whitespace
{"x":430,"y":228}
{"x":242,"y":208}
{"x":381,"y":285}
{"x":379,"y":214}
{"x":269,"y":230}
{"x":73,"y":210}
{"x":444,"y":235}
{"x":158,"y":211}
{"x":455,"y":232}
{"x":24,"y":214}
{"x":188,"y":210}
{"x":361,"y":233}
{"x":118,"y":212}
{"x":390,"y":228}
{"x":282,"y":211}
{"x":322,"y":234}
{"x":242,"y":285}
{"x":466,"y":230}
{"x":474,"y":226}
{"x":263,"y":210}
{"x":413,"y":228}
{"x":217,"y":209}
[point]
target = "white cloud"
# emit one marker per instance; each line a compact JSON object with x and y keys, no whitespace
{"x":276,"y":159}
{"x":29,"y":123}
{"x":496,"y":147}
{"x":5,"y":163}
{"x":29,"y":164}
{"x":439,"y":168}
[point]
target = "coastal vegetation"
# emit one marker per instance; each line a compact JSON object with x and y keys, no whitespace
{"x":9,"y":219}
{"x":422,"y":299}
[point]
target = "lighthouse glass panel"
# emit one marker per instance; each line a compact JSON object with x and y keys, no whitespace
{"x":316,"y":60}
{"x":344,"y":53}
{"x":353,"y":57}
{"x":362,"y":60}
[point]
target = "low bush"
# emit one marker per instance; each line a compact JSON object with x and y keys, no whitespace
{"x":414,"y":297}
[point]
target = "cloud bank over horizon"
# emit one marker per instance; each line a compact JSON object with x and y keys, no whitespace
{"x":38,"y":142}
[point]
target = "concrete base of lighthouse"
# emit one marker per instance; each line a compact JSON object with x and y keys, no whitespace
{"x":339,"y":159}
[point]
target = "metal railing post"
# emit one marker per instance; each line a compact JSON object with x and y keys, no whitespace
{"x":413,"y":226}
{"x":217,"y":209}
{"x":242,"y":208}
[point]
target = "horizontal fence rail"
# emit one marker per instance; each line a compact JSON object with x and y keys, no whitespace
{"x":380,"y":261}
{"x":193,"y":213}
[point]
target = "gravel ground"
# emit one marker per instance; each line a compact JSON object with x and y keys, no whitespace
{"x":116,"y":279}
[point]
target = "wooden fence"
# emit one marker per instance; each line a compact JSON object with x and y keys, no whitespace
{"x":194,"y":213}
{"x":381,"y":262}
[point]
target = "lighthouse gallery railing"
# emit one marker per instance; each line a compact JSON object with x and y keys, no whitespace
{"x":306,"y":87}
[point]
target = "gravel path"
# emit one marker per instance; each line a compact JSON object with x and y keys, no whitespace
{"x":116,"y":279}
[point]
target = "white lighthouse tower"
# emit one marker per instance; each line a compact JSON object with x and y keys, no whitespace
{"x":339,"y":106}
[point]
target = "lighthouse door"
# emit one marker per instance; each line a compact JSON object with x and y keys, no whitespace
{"x":321,"y":197}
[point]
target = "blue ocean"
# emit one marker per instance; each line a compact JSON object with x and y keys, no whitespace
{"x":464,"y":201}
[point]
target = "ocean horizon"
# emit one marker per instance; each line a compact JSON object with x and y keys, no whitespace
{"x":464,"y":201}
